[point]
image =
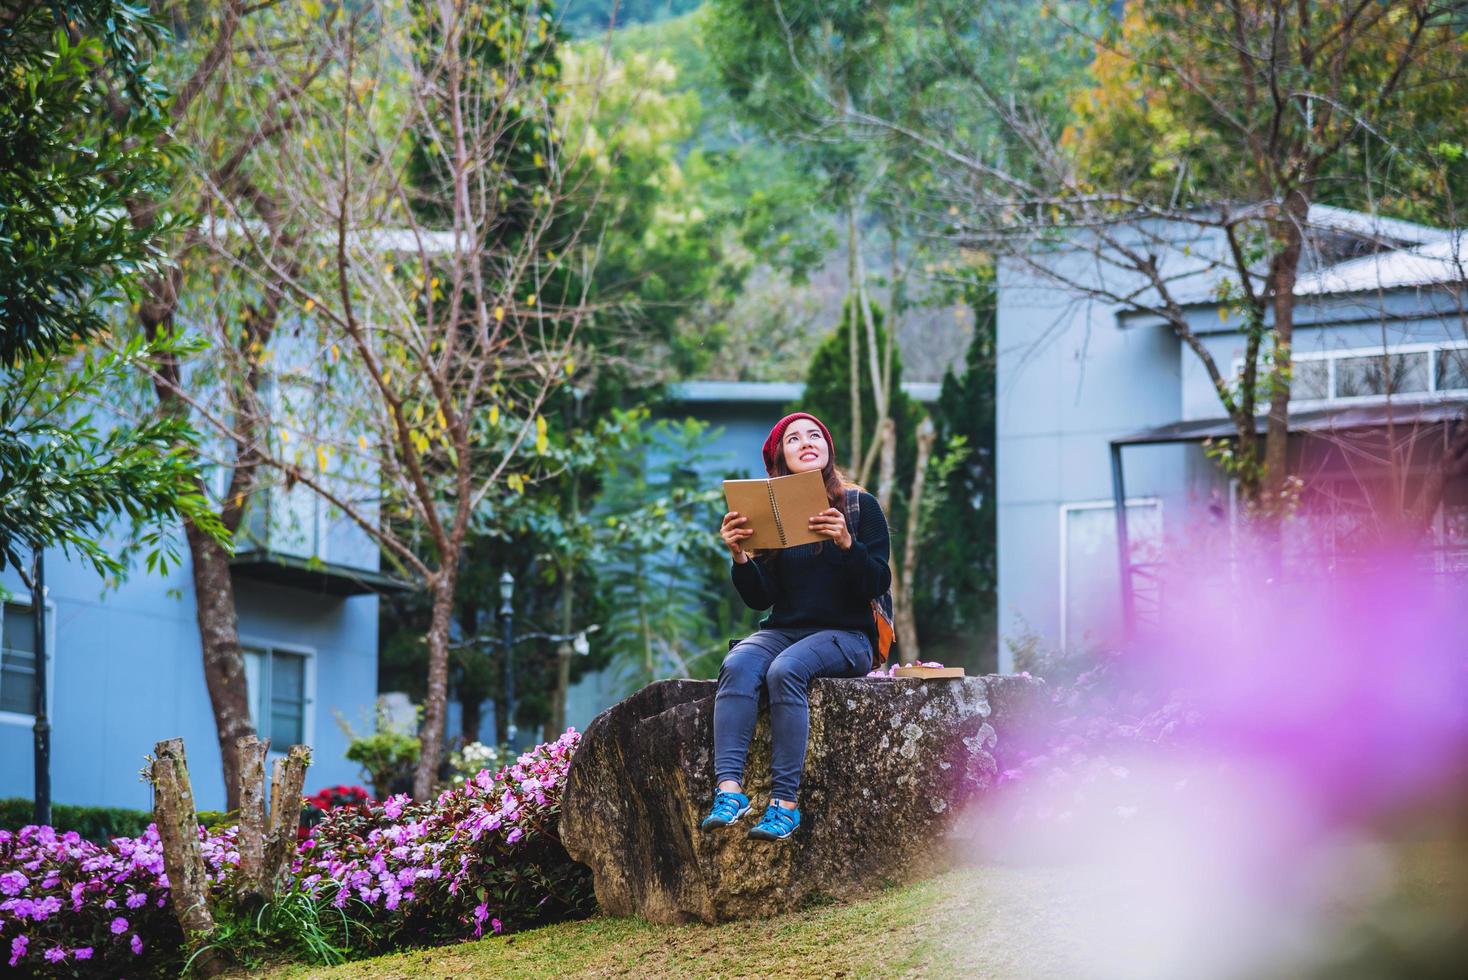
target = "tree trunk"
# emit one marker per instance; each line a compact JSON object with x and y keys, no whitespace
{"x":287,"y":780}
{"x":887,"y":471}
{"x":435,"y":704}
{"x":854,"y":345}
{"x":178,"y":826}
{"x":224,"y":661}
{"x":250,"y":751}
{"x":905,"y":625}
{"x":1286,"y":271}
{"x":557,"y":722}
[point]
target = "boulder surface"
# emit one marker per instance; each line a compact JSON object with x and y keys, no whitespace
{"x":890,"y":764}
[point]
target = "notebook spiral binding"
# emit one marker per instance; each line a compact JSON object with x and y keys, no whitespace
{"x":775,"y":509}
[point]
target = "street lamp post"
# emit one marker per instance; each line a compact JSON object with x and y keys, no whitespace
{"x":507,"y":620}
{"x":42,"y":727}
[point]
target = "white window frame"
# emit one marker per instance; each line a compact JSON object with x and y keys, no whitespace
{"x":1065,"y":510}
{"x":261,"y":645}
{"x":28,"y":718}
{"x":1430,"y":347}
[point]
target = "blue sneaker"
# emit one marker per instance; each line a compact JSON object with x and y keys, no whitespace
{"x":728,"y":807}
{"x":778,"y":823}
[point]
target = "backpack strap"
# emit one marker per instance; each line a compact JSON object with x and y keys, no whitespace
{"x":852,"y":507}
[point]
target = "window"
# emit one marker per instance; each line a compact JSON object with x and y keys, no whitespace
{"x":278,"y":695}
{"x":1311,"y":380}
{"x":1369,"y":373}
{"x":17,"y":659}
{"x":1373,"y":374}
{"x":1452,"y":370}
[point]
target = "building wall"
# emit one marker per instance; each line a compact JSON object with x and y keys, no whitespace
{"x":1071,"y":379}
{"x":126,"y":672}
{"x":1073,"y":376}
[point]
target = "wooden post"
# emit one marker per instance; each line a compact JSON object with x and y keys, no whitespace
{"x":250,"y":752}
{"x":183,"y":859}
{"x":287,"y":779}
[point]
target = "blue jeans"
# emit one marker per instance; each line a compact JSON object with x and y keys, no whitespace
{"x":783,"y":662}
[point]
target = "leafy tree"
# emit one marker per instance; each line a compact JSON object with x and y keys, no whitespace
{"x":827,"y":383}
{"x":69,"y":167}
{"x":956,"y":593}
{"x":663,"y":219}
{"x":1220,"y":119}
{"x":661,"y":564}
{"x":238,"y":82}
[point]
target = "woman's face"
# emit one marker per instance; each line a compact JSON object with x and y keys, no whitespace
{"x":805,"y":448}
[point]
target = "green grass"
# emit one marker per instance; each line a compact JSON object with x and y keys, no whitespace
{"x":990,"y":921}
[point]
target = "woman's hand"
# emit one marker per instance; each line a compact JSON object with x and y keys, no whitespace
{"x":832,"y":523}
{"x":732,"y":532}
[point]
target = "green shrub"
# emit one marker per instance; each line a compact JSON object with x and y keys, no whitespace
{"x":95,"y":823}
{"x":387,"y":755}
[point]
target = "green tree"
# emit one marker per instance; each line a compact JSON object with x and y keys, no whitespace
{"x":69,"y":167}
{"x":956,"y":592}
{"x":827,"y":387}
{"x":239,"y":83}
{"x":1214,"y":120}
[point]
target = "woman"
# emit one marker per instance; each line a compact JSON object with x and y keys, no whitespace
{"x":820,"y":625}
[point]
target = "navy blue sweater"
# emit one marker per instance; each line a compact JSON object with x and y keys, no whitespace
{"x":820,"y":586}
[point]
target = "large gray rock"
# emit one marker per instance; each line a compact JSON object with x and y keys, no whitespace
{"x":890,"y":764}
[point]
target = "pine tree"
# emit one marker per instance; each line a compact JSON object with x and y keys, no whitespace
{"x":959,"y":575}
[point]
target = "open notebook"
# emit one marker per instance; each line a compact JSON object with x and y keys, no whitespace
{"x":779,"y":509}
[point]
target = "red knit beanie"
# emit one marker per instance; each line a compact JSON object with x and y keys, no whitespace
{"x":772,"y":443}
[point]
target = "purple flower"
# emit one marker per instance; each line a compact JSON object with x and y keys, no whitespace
{"x":119,"y":926}
{"x":137,"y":945}
{"x":17,"y":949}
{"x":45,"y":907}
{"x":137,"y":899}
{"x":84,"y":953}
{"x":514,"y":835}
{"x":55,"y":954}
{"x":12,"y":882}
{"x":393,"y":807}
{"x":498,"y":926}
{"x":481,"y":912}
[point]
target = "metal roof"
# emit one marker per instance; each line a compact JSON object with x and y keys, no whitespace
{"x":1334,"y":419}
{"x":763,"y":392}
{"x":1435,"y":263}
{"x":1372,"y":226}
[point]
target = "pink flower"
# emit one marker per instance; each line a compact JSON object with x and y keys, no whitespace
{"x":481,"y":912}
{"x":119,"y":926}
{"x":394,"y":805}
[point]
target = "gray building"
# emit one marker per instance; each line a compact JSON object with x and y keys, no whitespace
{"x":1096,"y":403}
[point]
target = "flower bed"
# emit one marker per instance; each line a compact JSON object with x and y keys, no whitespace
{"x":482,"y":857}
{"x":69,"y":906}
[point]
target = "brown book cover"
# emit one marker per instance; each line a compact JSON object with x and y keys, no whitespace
{"x":779,"y":509}
{"x":929,"y":672}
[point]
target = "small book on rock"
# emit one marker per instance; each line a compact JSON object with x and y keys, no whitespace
{"x":779,"y":509}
